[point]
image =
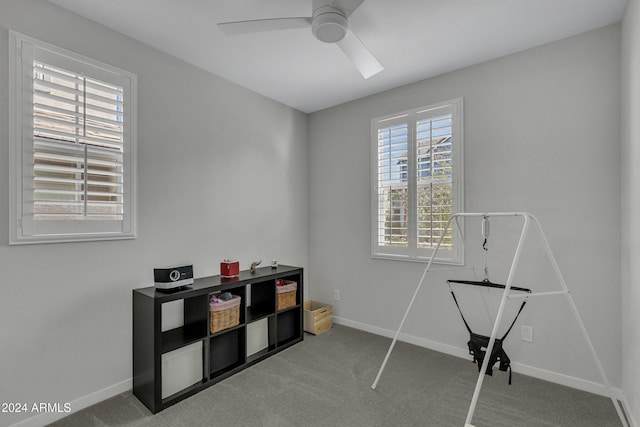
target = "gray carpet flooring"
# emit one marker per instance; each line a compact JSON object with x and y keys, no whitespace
{"x":326,"y":381}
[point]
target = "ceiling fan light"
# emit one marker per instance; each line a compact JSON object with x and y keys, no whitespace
{"x":330,"y":27}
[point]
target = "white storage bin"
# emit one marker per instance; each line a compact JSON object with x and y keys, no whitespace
{"x":181,"y":368}
{"x":257,"y":336}
{"x":172,"y":314}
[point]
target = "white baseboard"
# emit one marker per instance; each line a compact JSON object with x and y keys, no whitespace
{"x":543,"y":374}
{"x":629,"y":414}
{"x":411,"y":339}
{"x":77,"y":405}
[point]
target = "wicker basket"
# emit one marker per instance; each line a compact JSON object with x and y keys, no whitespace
{"x":286,"y":295}
{"x":225,"y":314}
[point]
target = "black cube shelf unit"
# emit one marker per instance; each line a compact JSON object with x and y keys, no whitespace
{"x":223,"y":353}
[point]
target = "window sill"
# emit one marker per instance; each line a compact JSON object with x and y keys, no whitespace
{"x":37,"y":240}
{"x":424,"y":260}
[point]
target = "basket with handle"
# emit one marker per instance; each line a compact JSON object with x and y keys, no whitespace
{"x":286,"y":294}
{"x":225,"y":314}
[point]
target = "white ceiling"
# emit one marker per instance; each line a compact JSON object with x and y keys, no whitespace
{"x":413,"y":39}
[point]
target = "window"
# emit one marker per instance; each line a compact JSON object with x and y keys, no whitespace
{"x":417,"y":183}
{"x":72,"y":146}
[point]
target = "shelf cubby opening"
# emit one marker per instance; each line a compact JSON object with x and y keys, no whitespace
{"x":179,"y":337}
{"x":298,"y":279}
{"x":228,"y":318}
{"x":226,"y":351}
{"x":190,"y":328}
{"x":239,"y":291}
{"x":288,"y":326}
{"x":261,"y":301}
{"x":182,"y":369}
{"x":261,"y":337}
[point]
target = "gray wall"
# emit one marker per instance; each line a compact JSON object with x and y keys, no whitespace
{"x":222,"y":174}
{"x":542,"y":134}
{"x":631,"y":206}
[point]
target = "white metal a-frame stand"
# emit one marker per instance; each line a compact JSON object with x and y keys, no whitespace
{"x":528,"y":218}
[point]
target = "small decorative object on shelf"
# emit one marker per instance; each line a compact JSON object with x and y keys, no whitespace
{"x":172,"y":279}
{"x":274,"y":264}
{"x":254,"y":265}
{"x":229,"y":268}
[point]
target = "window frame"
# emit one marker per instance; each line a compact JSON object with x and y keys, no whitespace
{"x":23,"y":228}
{"x":412,"y":253}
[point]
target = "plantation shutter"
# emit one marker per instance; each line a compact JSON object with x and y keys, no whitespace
{"x":78,"y":146}
{"x":73,"y":145}
{"x":393,"y":180}
{"x":417,"y":182}
{"x":434,"y":178}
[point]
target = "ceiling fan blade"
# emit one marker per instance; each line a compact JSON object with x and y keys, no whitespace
{"x":261,"y":25}
{"x":361,"y":57}
{"x":347,"y":6}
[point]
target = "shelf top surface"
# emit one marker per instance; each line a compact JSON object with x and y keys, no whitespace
{"x":212,"y":283}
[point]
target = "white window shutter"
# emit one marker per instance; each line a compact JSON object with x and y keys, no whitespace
{"x":74,"y":146}
{"x":434,"y":179}
{"x":78,"y":146}
{"x":392,"y":184}
{"x":417,"y":182}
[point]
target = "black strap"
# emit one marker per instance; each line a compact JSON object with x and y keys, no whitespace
{"x":461,"y":315}
{"x":488,"y":284}
{"x":514,"y":320}
{"x":465,"y":320}
{"x":488,"y":352}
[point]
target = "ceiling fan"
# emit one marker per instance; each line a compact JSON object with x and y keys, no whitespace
{"x":329,"y":23}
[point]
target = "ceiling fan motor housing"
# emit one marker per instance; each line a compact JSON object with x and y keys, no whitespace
{"x":329,"y":24}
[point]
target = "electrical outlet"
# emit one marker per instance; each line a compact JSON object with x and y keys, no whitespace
{"x":336,"y":294}
{"x":526,"y":333}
